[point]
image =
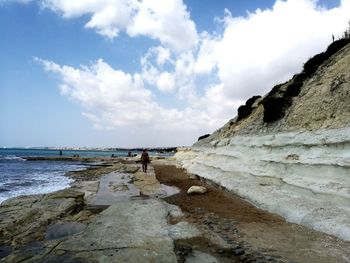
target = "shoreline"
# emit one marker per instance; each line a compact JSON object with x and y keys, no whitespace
{"x":215,"y":226}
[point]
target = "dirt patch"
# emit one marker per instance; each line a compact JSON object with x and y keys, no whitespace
{"x":215,"y":200}
{"x":252,"y":233}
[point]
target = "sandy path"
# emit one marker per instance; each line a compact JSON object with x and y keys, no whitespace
{"x":255,"y":230}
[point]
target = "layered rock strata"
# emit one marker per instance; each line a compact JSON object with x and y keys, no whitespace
{"x":297,"y":166}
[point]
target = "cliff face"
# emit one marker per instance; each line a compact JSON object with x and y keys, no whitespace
{"x":289,"y":152}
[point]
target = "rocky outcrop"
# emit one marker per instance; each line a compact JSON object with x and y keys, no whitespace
{"x":290,"y":155}
{"x":109,"y":224}
{"x":132,"y":231}
{"x":26,"y":218}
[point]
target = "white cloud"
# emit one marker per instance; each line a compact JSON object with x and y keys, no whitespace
{"x":114,"y":99}
{"x":166,"y":21}
{"x":269,"y":46}
{"x":163,"y":55}
{"x":252,"y":54}
{"x":101,"y":90}
{"x":166,"y":82}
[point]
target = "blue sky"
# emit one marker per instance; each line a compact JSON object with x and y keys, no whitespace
{"x":122,"y":73}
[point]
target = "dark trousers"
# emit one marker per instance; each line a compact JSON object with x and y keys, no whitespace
{"x":144,"y":166}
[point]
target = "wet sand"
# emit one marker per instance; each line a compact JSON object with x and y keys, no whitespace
{"x":246,"y":228}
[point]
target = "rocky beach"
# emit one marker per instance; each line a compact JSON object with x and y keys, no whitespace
{"x":182,"y":131}
{"x":271,"y":185}
{"x":113,"y":212}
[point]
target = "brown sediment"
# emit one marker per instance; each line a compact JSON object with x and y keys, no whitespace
{"x":215,"y":201}
{"x":252,"y":232}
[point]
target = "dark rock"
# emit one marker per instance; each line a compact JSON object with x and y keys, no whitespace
{"x":275,"y":108}
{"x":203,"y":137}
{"x":238,"y":251}
{"x":275,"y":90}
{"x":251,"y":101}
{"x":235,"y":246}
{"x":313,"y":63}
{"x":278,"y":100}
{"x":5,"y":251}
{"x":245,"y":110}
{"x":243,"y":258}
{"x":293,"y":89}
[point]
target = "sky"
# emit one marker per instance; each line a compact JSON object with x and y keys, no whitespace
{"x":147,"y":73}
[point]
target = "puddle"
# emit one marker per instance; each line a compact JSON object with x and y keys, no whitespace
{"x":64,"y":229}
{"x":115,"y":187}
{"x":167,"y":190}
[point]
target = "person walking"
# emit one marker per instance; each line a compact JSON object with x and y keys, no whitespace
{"x":144,"y":160}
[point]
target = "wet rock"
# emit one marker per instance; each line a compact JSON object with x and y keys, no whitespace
{"x":183,"y":230}
{"x":60,"y":230}
{"x":196,"y":190}
{"x":26,"y":218}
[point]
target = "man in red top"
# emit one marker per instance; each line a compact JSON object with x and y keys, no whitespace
{"x":144,"y":160}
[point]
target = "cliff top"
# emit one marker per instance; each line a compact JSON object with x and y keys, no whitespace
{"x":316,"y":98}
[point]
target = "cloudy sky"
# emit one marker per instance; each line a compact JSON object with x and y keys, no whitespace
{"x":126,"y":73}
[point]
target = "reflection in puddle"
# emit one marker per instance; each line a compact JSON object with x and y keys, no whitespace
{"x":167,"y":191}
{"x":115,"y":187}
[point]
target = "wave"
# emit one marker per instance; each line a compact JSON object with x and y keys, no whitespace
{"x":44,"y":188}
{"x":12,"y":157}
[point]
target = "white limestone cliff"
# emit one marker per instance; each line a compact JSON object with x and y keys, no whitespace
{"x":298,"y":166}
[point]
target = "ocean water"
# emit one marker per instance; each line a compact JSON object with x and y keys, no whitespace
{"x":21,"y":177}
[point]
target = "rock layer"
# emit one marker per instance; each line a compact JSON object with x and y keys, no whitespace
{"x":298,"y":166}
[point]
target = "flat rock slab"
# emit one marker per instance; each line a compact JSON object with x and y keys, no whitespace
{"x":115,"y":187}
{"x":134,"y":231}
{"x":60,"y":230}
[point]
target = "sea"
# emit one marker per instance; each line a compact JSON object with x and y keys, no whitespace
{"x":21,"y":177}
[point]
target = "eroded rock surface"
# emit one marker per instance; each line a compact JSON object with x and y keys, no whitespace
{"x":25,"y":219}
{"x":132,"y":231}
{"x":297,"y":166}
